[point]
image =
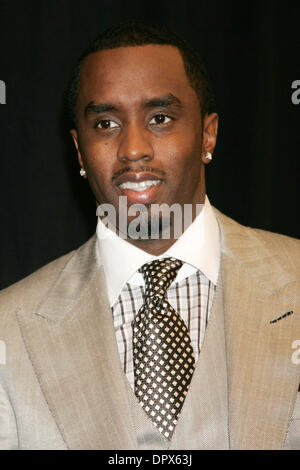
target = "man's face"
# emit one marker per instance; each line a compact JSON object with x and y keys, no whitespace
{"x":139,"y":127}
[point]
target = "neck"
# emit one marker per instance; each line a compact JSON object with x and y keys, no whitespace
{"x":153,"y":247}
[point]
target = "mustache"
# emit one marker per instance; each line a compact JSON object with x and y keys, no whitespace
{"x":129,"y":169}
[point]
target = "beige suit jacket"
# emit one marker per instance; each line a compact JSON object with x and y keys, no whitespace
{"x":61,"y":383}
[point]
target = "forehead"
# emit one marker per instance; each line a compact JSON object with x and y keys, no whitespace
{"x":134,"y":72}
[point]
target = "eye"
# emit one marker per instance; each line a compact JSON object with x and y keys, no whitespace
{"x":106,"y":124}
{"x":160,"y":119}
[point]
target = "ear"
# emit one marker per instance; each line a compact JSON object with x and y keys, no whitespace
{"x":74,"y":135}
{"x":210,"y":131}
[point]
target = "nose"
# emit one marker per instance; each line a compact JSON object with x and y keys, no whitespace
{"x":135,"y":145}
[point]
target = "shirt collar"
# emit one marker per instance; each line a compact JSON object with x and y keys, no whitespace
{"x":198,"y":247}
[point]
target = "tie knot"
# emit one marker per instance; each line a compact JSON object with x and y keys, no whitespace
{"x":159,"y":274}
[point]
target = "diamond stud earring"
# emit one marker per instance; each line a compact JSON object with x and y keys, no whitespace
{"x":82,"y":172}
{"x":208,"y":156}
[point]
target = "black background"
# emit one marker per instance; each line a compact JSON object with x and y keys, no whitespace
{"x":251,"y":49}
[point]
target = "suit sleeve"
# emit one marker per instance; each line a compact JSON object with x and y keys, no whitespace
{"x":293,"y":436}
{"x":8,"y":428}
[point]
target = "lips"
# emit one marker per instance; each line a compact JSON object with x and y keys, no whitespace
{"x":136,"y":177}
{"x":139,"y":187}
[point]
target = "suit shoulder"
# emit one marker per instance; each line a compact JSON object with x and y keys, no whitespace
{"x":30,"y":290}
{"x":278,"y":241}
{"x":278,"y":237}
{"x":284,"y":247}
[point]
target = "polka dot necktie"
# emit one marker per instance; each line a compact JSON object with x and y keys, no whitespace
{"x":163,"y":354}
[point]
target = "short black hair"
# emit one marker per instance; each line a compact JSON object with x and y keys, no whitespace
{"x":137,"y":33}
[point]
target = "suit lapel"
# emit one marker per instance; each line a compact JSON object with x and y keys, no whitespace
{"x":262,"y":379}
{"x":72,"y":346}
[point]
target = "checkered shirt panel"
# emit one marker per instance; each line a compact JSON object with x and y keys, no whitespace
{"x":191,"y":298}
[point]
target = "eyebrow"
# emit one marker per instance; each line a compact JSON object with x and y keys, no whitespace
{"x":98,"y":108}
{"x":165,"y":101}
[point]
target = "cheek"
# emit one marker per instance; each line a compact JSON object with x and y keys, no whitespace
{"x":182,"y":159}
{"x":98,"y":159}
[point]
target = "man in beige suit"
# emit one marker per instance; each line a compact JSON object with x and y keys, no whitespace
{"x":144,"y":129}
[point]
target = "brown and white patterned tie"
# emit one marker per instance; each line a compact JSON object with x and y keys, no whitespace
{"x":163,"y":354}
